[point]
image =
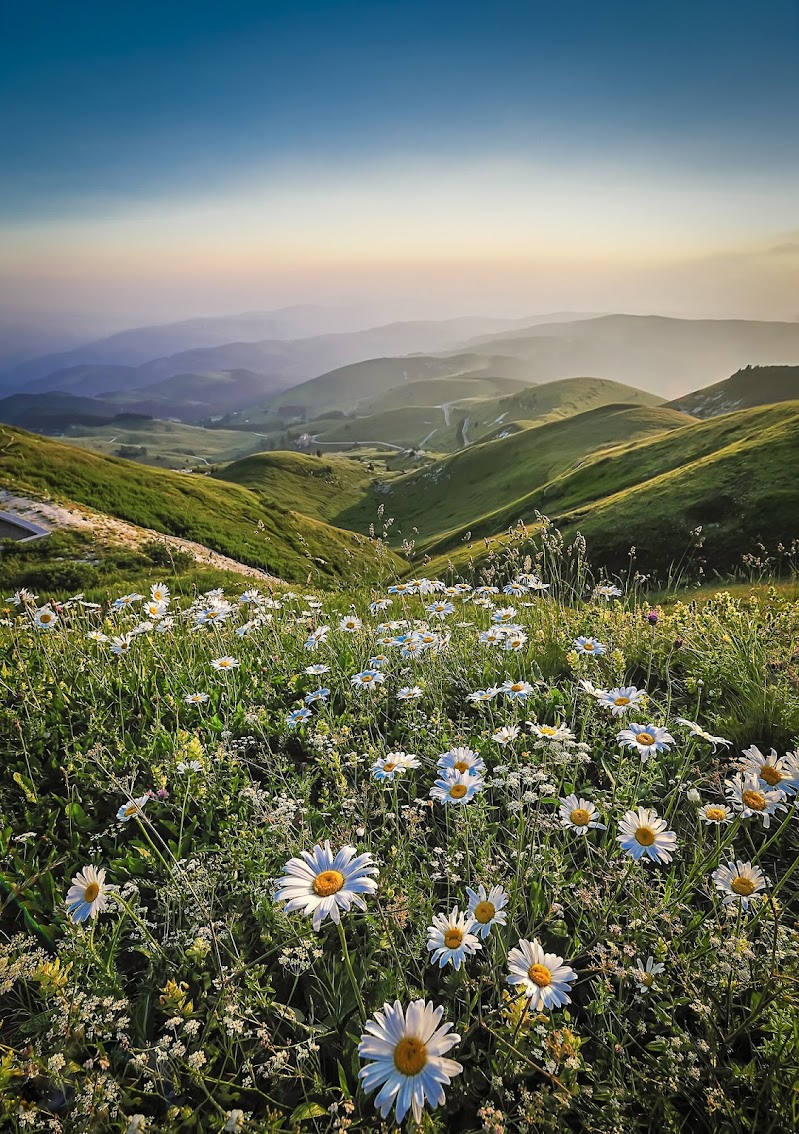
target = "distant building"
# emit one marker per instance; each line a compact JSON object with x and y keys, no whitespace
{"x":304,"y":441}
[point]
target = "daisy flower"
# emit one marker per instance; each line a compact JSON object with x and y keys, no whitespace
{"x":456,"y":787}
{"x":125,"y":600}
{"x":487,"y":908}
{"x":503,"y":616}
{"x":159,"y":592}
{"x":551,"y":732}
{"x":461,"y":760}
{"x":367,"y":678}
{"x":45,"y":617}
{"x":317,"y":670}
{"x":408,"y":1050}
{"x":542,"y":977}
{"x":186,"y":766}
{"x":779,"y":772}
{"x":316,"y":637}
{"x":739,"y":882}
{"x":644,"y":834}
{"x":87,"y":896}
{"x":506,"y":735}
{"x":585,"y":645}
{"x":514,"y":640}
{"x":492,"y":637}
{"x":606,"y":591}
{"x":516,"y":690}
{"x":393,"y":764}
{"x":378,"y":661}
{"x":479,"y":695}
{"x":450,"y":939}
{"x":578,"y":814}
{"x":401,"y":589}
{"x":533,"y":583}
{"x":515,"y":588}
{"x":324,"y":884}
{"x":697,"y":730}
{"x":715,"y":814}
{"x":621,"y":700}
{"x":350,"y":624}
{"x":409,"y":693}
{"x":645,"y":973}
{"x":121,"y":644}
{"x":749,"y":797}
{"x":97,"y":636}
{"x":222,"y":665}
{"x":379,"y":604}
{"x":132,"y":808}
{"x":440,"y":609}
{"x":196,"y":698}
{"x":317,"y":695}
{"x":298,"y":716}
{"x":155,"y":609}
{"x":645,"y":739}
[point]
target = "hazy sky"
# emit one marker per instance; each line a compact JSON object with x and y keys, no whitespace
{"x":167,"y":159}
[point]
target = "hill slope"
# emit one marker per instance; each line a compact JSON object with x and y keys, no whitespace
{"x":228,"y":518}
{"x":459,"y":489}
{"x":316,"y":486}
{"x":752,"y":386}
{"x":735,"y":477}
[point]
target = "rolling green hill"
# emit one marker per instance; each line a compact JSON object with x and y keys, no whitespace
{"x":734,"y":477}
{"x":164,"y":444}
{"x":442,"y":391}
{"x":459,"y":489}
{"x":315,"y":486}
{"x":411,"y":427}
{"x":752,"y":386}
{"x":229,"y":518}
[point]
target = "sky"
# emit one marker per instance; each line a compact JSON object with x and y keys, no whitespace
{"x":421,"y":158}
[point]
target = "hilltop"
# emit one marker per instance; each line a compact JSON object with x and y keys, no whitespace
{"x":751,"y":386}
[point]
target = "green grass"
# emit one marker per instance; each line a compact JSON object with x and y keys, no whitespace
{"x":196,"y":1000}
{"x":438,"y":391}
{"x":407,"y":427}
{"x":460,"y":489}
{"x":168,"y":444}
{"x":752,"y":386}
{"x":229,"y":518}
{"x":717,"y":489}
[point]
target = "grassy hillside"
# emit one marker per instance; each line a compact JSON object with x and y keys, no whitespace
{"x":316,"y":486}
{"x":165,"y":444}
{"x":195,"y":397}
{"x":229,"y":518}
{"x":53,"y":411}
{"x":409,"y":428}
{"x":459,"y":489}
{"x":440,"y":391}
{"x":734,"y":478}
{"x":752,"y":386}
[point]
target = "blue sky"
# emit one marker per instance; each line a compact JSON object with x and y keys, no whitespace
{"x":112,"y":114}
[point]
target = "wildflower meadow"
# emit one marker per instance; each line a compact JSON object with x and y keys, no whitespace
{"x":511,"y":857}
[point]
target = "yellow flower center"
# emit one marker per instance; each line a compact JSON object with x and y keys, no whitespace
{"x":547,"y":730}
{"x":484,"y":912}
{"x":517,"y":687}
{"x":647,"y":979}
{"x":410,"y":1056}
{"x":716,"y":814}
{"x":91,"y":892}
{"x":458,"y":791}
{"x":645,"y":836}
{"x":389,"y":767}
{"x":621,"y":701}
{"x":453,"y":938}
{"x":461,"y":766}
{"x":754,"y":799}
{"x":770,"y":774}
{"x":132,"y":809}
{"x":327,"y":883}
{"x":588,"y":646}
{"x":540,"y":975}
{"x":645,"y":738}
{"x":45,"y":617}
{"x":366,"y":678}
{"x":580,"y":817}
{"x":742,"y":886}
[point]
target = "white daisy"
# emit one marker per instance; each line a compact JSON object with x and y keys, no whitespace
{"x":159,"y":592}
{"x":487,"y":908}
{"x":121,"y":644}
{"x":407,"y":1051}
{"x":591,"y":646}
{"x":132,"y":808}
{"x":87,"y":896}
{"x":506,"y":735}
{"x":317,"y":670}
{"x":578,"y":814}
{"x":503,"y":616}
{"x":456,"y":788}
{"x":697,"y":730}
{"x":393,"y":764}
{"x":551,"y":732}
{"x":541,"y":976}
{"x":409,"y":693}
{"x":316,"y":637}
{"x":645,"y":739}
{"x":739,"y":882}
{"x":778,"y":772}
{"x":450,"y":939}
{"x":125,"y":601}
{"x":196,"y":698}
{"x":367,"y":679}
{"x":45,"y":617}
{"x":644,"y":834}
{"x":298,"y":716}
{"x":350,"y":624}
{"x":492,"y":636}
{"x":715,"y":814}
{"x":645,"y":974}
{"x":606,"y":591}
{"x":324,"y":884}
{"x":224,"y":664}
{"x":461,"y":760}
{"x":621,"y":700}
{"x":479,"y":696}
{"x":515,"y":640}
{"x":749,"y":796}
{"x":516,"y":690}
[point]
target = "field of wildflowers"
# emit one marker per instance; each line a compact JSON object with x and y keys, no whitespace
{"x":519,"y":857}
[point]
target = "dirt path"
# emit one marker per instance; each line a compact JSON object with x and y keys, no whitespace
{"x":51,"y":516}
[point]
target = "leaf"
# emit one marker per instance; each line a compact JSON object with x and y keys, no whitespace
{"x":307,"y":1110}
